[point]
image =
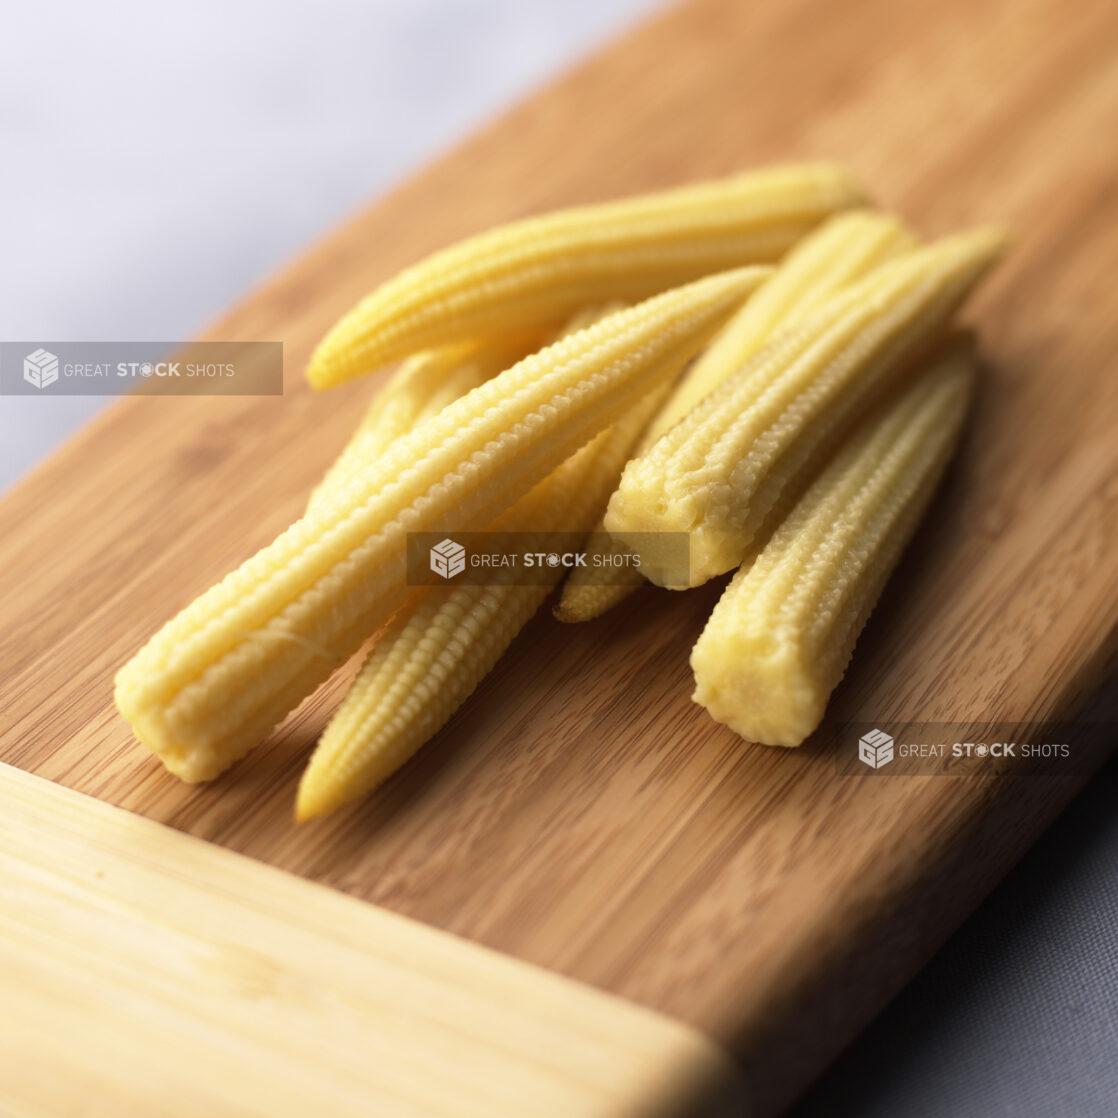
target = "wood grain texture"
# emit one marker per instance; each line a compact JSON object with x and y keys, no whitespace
{"x":580,"y":812}
{"x":143,"y":972}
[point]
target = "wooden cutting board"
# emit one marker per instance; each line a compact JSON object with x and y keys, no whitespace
{"x":580,"y":813}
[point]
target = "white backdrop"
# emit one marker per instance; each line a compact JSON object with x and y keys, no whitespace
{"x":159,"y":159}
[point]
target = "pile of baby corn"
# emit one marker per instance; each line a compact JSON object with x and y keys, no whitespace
{"x":762,"y":362}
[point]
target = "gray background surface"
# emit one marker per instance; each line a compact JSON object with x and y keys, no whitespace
{"x":160,"y":159}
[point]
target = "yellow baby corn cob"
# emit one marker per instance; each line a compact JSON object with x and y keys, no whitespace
{"x":440,"y":644}
{"x":781,"y":636}
{"x":537,"y":271}
{"x":843,"y":249}
{"x":220,"y":675}
{"x":719,"y":472}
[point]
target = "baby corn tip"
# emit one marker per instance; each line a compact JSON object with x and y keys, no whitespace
{"x":315,"y":797}
{"x":323,"y":370}
{"x":337,"y":359}
{"x":995,"y":240}
{"x":1002,"y":237}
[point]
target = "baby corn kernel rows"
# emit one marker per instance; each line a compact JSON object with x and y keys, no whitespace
{"x":421,"y":387}
{"x":778,"y":391}
{"x":427,"y":383}
{"x":539,"y":271}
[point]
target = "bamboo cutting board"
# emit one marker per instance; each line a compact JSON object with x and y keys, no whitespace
{"x":580,"y":814}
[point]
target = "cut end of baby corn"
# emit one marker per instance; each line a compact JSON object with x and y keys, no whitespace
{"x":218,"y":677}
{"x":536,"y":272}
{"x":780,"y":637}
{"x":719,"y":472}
{"x":179,"y":757}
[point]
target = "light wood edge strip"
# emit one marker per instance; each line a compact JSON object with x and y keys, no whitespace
{"x":144,"y":971}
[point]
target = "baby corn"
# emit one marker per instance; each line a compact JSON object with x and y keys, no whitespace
{"x":220,"y":675}
{"x":841,"y":250}
{"x":781,"y":636}
{"x":537,"y":271}
{"x":440,"y":644}
{"x":719,"y":472}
